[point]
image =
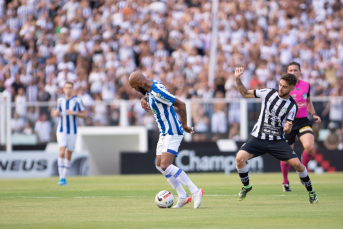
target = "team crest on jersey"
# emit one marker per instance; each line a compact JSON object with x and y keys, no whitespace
{"x":283,"y":110}
{"x":158,"y":95}
{"x":304,"y":96}
{"x":294,"y":95}
{"x":153,"y":111}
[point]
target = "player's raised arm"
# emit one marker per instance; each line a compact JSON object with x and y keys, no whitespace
{"x":241,"y":88}
{"x":182,"y":108}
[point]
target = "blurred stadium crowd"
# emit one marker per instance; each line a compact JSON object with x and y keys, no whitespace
{"x":97,"y":44}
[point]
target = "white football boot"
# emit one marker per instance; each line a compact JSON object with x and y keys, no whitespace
{"x":182,"y":202}
{"x":197,"y":197}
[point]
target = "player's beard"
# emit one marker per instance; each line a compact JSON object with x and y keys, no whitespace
{"x":283,"y":94}
{"x":141,"y":90}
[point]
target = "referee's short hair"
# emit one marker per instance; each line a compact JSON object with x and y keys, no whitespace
{"x":290,"y":79}
{"x":293,"y":63}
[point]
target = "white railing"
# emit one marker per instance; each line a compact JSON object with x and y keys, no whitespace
{"x":125,"y":106}
{"x":5,"y":121}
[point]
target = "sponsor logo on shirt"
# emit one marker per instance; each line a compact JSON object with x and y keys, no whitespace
{"x":296,"y":89}
{"x":294,"y":95}
{"x":271,"y":132}
{"x":162,"y":98}
{"x":303,"y":104}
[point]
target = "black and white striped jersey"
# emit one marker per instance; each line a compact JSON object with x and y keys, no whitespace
{"x":274,"y":113}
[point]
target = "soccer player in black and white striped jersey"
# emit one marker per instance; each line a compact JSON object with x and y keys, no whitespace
{"x":277,"y":113}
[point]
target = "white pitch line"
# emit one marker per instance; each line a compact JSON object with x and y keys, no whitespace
{"x":38,"y":197}
{"x":284,"y":195}
{"x":80,"y":197}
{"x":218,"y":195}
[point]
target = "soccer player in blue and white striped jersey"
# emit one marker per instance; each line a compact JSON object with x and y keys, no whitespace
{"x":68,"y":109}
{"x":158,"y":100}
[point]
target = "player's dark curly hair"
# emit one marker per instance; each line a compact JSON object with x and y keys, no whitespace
{"x":293,"y":63}
{"x":290,"y":79}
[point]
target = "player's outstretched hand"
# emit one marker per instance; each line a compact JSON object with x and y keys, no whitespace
{"x":145,"y":105}
{"x":189,"y":129}
{"x":238,"y":72}
{"x":317,"y":119}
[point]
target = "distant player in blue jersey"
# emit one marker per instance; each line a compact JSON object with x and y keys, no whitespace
{"x":158,"y":100}
{"x":68,"y":108}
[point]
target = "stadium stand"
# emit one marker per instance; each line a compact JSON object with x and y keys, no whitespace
{"x":97,"y":44}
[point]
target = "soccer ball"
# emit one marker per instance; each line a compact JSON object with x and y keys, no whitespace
{"x":164,"y":199}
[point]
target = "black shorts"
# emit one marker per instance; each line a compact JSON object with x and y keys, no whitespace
{"x":300,"y":127}
{"x":278,"y":149}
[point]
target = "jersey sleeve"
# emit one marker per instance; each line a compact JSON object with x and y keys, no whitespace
{"x":309,"y":89}
{"x":291,"y":114}
{"x":261,"y":93}
{"x":163,"y":96}
{"x":80,"y":104}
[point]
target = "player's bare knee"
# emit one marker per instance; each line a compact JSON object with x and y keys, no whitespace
{"x":309,"y":149}
{"x":62,"y":152}
{"x":164,"y":166}
{"x":240,"y":160}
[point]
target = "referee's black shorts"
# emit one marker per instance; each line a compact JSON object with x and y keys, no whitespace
{"x":278,"y":149}
{"x":300,"y":127}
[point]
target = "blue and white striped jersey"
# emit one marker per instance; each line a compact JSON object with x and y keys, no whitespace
{"x":161,"y":103}
{"x":68,"y":123}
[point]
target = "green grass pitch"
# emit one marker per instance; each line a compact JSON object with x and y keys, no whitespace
{"x":127,"y":201}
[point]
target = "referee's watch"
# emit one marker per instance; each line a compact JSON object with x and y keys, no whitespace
{"x":314,"y":114}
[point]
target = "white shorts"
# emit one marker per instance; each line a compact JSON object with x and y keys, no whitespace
{"x":169,"y":144}
{"x":66,"y":140}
